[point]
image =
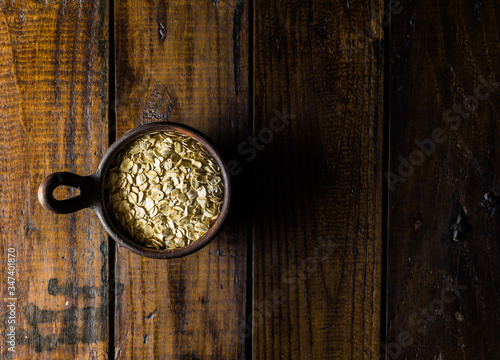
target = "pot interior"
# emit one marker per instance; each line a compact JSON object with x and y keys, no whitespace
{"x":108,"y":215}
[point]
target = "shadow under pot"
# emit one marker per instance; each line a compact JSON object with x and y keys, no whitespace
{"x":161,"y":190}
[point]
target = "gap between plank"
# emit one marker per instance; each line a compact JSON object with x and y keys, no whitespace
{"x":111,"y":138}
{"x":385,"y":167}
{"x":250,"y":243}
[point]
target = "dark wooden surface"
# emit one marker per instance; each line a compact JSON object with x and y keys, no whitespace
{"x":193,"y":307}
{"x":53,"y":98}
{"x":310,"y":103}
{"x":443,"y":295}
{"x":318,"y":186}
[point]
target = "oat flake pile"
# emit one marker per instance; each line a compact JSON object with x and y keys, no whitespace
{"x":164,"y":190}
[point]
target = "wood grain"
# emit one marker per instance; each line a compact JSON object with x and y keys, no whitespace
{"x":443,"y":295}
{"x":318,"y":179}
{"x":196,"y":54}
{"x":302,"y":131}
{"x":53,"y":74}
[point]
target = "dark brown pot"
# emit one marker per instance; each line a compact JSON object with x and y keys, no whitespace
{"x":92,"y":191}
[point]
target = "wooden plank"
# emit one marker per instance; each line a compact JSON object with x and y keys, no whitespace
{"x":318,"y":179}
{"x":191,"y":307}
{"x":53,"y":75}
{"x":443,"y":295}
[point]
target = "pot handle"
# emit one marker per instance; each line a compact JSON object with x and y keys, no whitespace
{"x":86,"y":185}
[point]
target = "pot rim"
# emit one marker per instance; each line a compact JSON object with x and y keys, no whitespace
{"x":99,"y":206}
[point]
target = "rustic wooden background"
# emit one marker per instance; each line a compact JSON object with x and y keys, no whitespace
{"x":357,"y":134}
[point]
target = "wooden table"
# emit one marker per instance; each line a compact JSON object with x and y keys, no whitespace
{"x":362,"y":138}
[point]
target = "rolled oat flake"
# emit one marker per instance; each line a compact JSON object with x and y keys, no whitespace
{"x":164,"y":190}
